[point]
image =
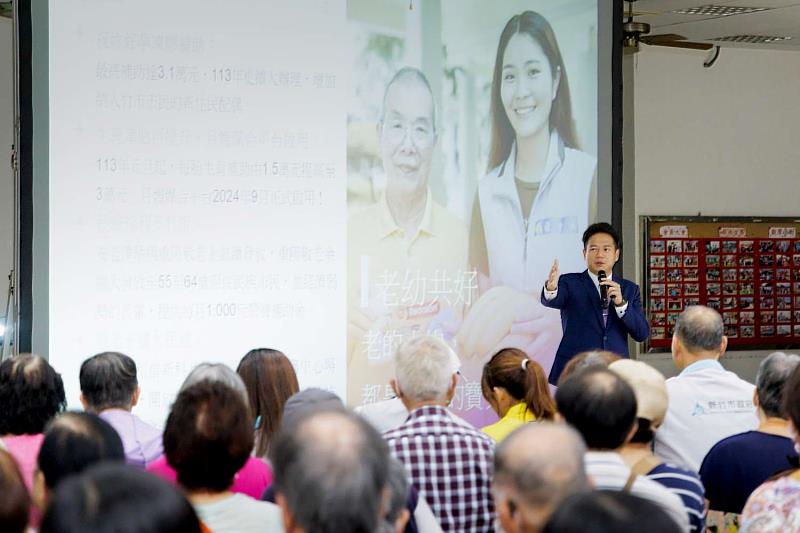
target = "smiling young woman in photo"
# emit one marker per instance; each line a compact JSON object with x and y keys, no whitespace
{"x":539,"y":191}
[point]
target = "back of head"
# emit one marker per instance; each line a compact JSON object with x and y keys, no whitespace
{"x":74,"y":442}
{"x":330,"y":472}
{"x":121,"y":499}
{"x":270,"y":380}
{"x":398,"y":490}
{"x":31,"y":394}
{"x":108,"y":380}
{"x":650,"y":388}
{"x":590,"y":359}
{"x":537,"y":466}
{"x":14,"y":502}
{"x":791,"y":400}
{"x":208,"y":437}
{"x":600,"y":405}
{"x":773,"y":373}
{"x":609,"y":512}
{"x":216,"y":373}
{"x":523,"y":379}
{"x":424,"y":367}
{"x":700,"y":329}
{"x":308,"y":401}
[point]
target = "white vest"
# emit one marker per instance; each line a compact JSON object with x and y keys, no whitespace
{"x":520,"y":254}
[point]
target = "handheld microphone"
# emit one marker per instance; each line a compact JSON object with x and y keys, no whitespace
{"x":601,"y":277}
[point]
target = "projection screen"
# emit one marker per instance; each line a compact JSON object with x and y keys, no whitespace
{"x":324,"y":177}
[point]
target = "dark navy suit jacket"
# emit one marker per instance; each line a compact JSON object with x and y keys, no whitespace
{"x":582,"y":319}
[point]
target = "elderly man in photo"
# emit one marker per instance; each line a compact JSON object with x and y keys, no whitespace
{"x":706,"y":402}
{"x":449,"y":461}
{"x":407,"y":254}
{"x":535,"y":468}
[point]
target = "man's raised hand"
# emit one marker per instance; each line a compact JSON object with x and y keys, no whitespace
{"x":552,"y":279}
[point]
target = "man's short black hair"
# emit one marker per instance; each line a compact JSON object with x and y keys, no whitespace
{"x":117,"y":497}
{"x":600,"y":405}
{"x":602,"y":511}
{"x":209,"y":436}
{"x":602,"y":227}
{"x":74,"y":442}
{"x":108,"y":380}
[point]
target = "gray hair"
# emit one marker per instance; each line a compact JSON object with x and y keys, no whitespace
{"x":543,"y":463}
{"x":700,"y":329}
{"x":773,"y":373}
{"x":398,"y":490}
{"x":423,"y":368}
{"x":410,"y":75}
{"x":216,"y":373}
{"x":332,"y":469}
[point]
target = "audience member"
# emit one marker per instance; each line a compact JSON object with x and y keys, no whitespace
{"x":118,"y":498}
{"x":535,"y":468}
{"x":592,"y":359}
{"x":458,"y":487}
{"x":517,"y":389}
{"x":109,"y":387}
{"x":72,"y":443}
{"x":255,"y":475}
{"x":309,"y":401}
{"x":207,"y":440}
{"x":602,"y":407}
{"x":706,"y":402}
{"x":390,"y":414}
{"x":397,"y":514}
{"x":651,"y":406}
{"x":773,"y":507}
{"x":15,"y":501}
{"x":31,"y":394}
{"x":735,"y":466}
{"x":270,"y":380}
{"x":331,"y":472}
{"x":609,"y":512}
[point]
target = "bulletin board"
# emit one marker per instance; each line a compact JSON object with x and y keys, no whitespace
{"x":746,"y":268}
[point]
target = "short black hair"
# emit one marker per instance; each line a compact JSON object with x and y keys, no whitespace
{"x":608,"y":512}
{"x":602,"y":227}
{"x":600,"y":405}
{"x":75,"y":441}
{"x":120,"y":498}
{"x":108,"y":380}
{"x":31,"y":394}
{"x":209,"y":436}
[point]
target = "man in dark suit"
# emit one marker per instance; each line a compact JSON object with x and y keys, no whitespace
{"x":586,"y":323}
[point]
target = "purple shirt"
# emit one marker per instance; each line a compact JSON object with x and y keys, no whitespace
{"x":142,"y":442}
{"x":450,"y":464}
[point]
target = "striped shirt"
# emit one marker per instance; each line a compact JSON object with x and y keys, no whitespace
{"x":450,"y":464}
{"x":608,"y":471}
{"x":686,"y":484}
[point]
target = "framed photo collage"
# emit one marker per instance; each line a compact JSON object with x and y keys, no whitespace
{"x":748,"y":270}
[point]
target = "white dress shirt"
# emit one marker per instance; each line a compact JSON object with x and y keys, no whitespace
{"x":549,"y":295}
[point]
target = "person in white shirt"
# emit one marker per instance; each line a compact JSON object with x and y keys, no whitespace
{"x":602,"y":407}
{"x":706,"y":402}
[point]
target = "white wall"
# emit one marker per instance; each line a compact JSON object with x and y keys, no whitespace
{"x":6,"y":176}
{"x":718,"y":141}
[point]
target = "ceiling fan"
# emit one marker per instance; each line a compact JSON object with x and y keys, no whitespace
{"x":634,"y":33}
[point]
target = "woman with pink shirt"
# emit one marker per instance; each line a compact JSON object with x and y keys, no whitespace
{"x":255,"y":476}
{"x":31,"y":395}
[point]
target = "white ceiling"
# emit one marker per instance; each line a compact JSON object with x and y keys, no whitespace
{"x":781,"y":19}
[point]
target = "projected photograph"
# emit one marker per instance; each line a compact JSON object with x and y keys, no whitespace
{"x":471,"y":167}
